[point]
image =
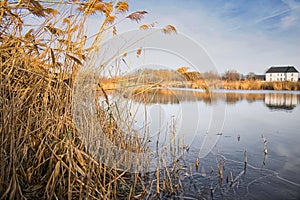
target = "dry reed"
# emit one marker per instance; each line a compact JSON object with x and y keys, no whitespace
{"x":261,"y":85}
{"x":42,"y":155}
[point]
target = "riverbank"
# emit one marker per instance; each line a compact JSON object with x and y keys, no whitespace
{"x":260,"y":85}
{"x":212,"y":84}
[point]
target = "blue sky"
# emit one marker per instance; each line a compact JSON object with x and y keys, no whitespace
{"x":246,"y":35}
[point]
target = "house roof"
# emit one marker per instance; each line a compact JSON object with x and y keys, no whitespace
{"x":260,"y":77}
{"x":288,"y":69}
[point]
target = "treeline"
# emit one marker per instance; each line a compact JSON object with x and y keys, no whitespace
{"x":233,"y":75}
{"x":150,"y":76}
{"x":181,"y":74}
{"x":234,"y":80}
{"x":229,"y":75}
{"x":181,"y":77}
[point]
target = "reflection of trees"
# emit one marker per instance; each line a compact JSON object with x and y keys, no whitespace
{"x":166,"y":96}
{"x":232,"y":98}
{"x":169,"y":96}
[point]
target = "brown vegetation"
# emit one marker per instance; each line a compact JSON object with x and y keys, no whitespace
{"x":207,"y":80}
{"x":42,"y":156}
{"x":261,"y":85}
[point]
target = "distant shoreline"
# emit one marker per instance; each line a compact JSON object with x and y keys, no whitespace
{"x":237,"y":91}
{"x":261,"y":85}
{"x":210,"y":84}
{"x":239,"y":85}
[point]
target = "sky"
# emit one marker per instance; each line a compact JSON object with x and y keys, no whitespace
{"x":244,"y":35}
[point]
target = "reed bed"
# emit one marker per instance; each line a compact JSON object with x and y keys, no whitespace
{"x":261,"y":85}
{"x":239,"y":85}
{"x":42,"y":156}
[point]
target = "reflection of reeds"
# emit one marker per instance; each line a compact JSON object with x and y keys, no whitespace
{"x":220,"y":166}
{"x":231,"y":178}
{"x":265,"y":144}
{"x":197,"y":164}
{"x":245,"y":161}
{"x":245,"y":157}
{"x":166,"y":96}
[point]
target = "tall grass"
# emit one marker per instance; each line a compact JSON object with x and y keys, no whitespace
{"x":261,"y":85}
{"x":42,"y":156}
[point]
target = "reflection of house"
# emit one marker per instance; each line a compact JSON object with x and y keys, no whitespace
{"x":288,"y":73}
{"x":281,"y":101}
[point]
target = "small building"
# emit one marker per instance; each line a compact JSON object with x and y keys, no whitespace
{"x":288,"y":73}
{"x":260,"y":77}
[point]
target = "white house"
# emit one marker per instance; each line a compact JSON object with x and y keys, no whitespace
{"x":288,"y":73}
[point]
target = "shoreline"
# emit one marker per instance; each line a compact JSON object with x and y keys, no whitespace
{"x":262,"y":85}
{"x":246,"y":85}
{"x":237,"y":91}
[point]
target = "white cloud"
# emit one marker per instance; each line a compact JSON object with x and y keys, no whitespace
{"x":288,"y":21}
{"x":293,"y":18}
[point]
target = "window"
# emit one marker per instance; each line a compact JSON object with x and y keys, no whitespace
{"x":270,"y":79}
{"x":291,"y":79}
{"x":292,"y":74}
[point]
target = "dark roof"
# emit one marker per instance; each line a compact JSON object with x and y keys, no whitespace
{"x":281,"y":69}
{"x":260,"y":77}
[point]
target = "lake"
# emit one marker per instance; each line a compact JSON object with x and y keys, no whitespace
{"x":260,"y":126}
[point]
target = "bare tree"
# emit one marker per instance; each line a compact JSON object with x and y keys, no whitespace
{"x":251,"y":76}
{"x":211,"y":75}
{"x":231,"y":75}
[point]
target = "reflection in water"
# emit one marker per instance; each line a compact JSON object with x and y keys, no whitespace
{"x":281,"y":101}
{"x":166,"y":96}
{"x":285,"y":101}
{"x":269,"y":175}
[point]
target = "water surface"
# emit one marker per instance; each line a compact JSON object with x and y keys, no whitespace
{"x":250,"y":118}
